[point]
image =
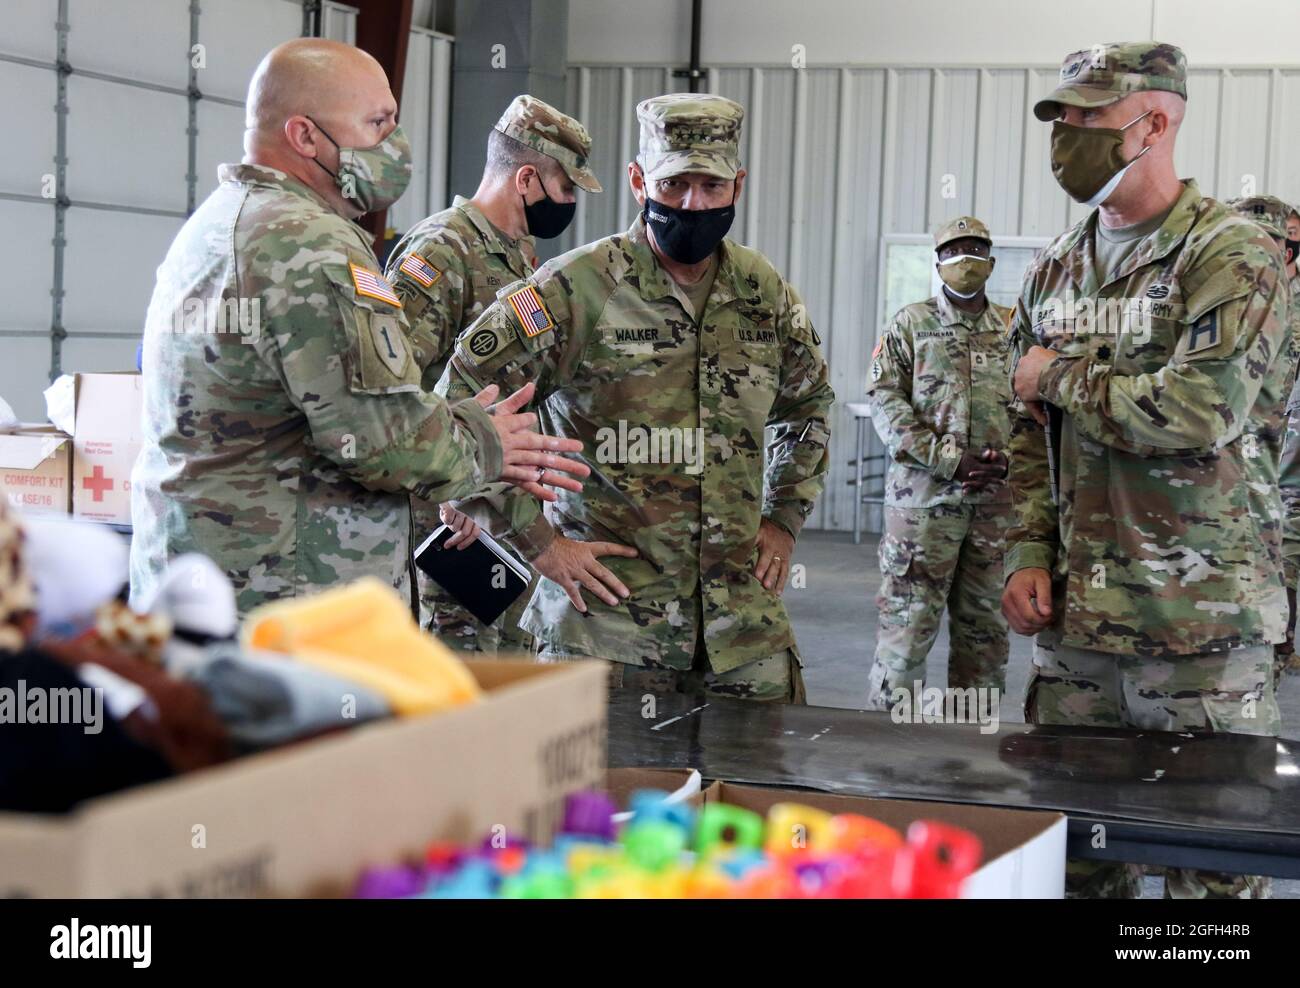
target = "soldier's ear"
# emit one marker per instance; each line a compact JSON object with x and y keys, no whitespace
{"x":301,"y":136}
{"x":523,"y":176}
{"x":636,"y":179}
{"x":740,"y":184}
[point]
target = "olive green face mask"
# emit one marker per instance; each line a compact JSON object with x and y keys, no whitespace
{"x":965,"y":274}
{"x":1088,"y":162}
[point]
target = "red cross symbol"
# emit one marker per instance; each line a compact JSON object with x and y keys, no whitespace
{"x":98,"y":483}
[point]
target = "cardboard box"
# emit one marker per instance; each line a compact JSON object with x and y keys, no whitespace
{"x":104,"y":412}
{"x":36,"y":469}
{"x":306,"y":819}
{"x":1024,"y":850}
{"x":621,"y":783}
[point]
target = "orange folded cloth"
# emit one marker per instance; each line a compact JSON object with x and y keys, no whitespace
{"x":364,"y":632}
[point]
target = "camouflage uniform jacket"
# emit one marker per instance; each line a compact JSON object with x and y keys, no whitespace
{"x":447,"y":270}
{"x":286,"y":453}
{"x":1289,"y":466}
{"x":620,"y":364}
{"x":940,"y":372}
{"x":1164,"y":538}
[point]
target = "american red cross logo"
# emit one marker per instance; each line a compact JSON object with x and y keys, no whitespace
{"x":98,"y":483}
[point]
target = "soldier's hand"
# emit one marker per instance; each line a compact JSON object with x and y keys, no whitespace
{"x":1028,"y":370}
{"x":989,"y":469}
{"x":1036,"y":412}
{"x":529,"y":457}
{"x":464,"y":528}
{"x":574,"y":565}
{"x":775,"y":546}
{"x":1027,"y":600}
{"x":978,"y":468}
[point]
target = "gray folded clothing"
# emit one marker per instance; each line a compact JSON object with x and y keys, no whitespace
{"x":266,"y":700}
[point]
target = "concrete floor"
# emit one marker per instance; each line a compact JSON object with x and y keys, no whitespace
{"x":834,"y":617}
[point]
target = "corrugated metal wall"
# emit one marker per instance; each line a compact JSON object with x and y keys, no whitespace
{"x":841,"y":157}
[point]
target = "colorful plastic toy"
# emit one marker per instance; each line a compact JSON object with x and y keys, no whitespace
{"x":671,"y":851}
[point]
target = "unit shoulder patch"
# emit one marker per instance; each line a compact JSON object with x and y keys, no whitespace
{"x":389,"y":341}
{"x":483,"y":343}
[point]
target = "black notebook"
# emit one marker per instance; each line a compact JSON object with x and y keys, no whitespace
{"x":485,"y":578}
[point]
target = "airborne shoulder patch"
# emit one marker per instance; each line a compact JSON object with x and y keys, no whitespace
{"x":531,"y":310}
{"x":482,"y":343}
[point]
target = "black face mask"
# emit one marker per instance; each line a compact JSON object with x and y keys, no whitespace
{"x":546,"y":218}
{"x":688,"y":236}
{"x":1294,"y":247}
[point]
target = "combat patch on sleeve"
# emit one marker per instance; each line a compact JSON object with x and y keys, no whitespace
{"x":531,"y":310}
{"x":372,"y":284}
{"x":420,"y":271}
{"x":1204,"y":333}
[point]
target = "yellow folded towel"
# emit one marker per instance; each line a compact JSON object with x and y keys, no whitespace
{"x":364,"y":632}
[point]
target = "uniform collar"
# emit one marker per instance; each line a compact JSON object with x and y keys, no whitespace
{"x":1157,"y":244}
{"x":951,"y":315}
{"x":268,"y":177}
{"x":655,"y":283}
{"x":496,"y":241}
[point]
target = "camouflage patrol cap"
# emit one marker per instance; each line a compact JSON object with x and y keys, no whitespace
{"x":557,"y":135}
{"x":689,"y":132}
{"x":1270,"y":212}
{"x":962,"y":226}
{"x":1104,"y":74}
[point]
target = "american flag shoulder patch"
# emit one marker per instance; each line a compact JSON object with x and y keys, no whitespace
{"x":419,"y":269}
{"x":531,"y":311}
{"x":372,"y":284}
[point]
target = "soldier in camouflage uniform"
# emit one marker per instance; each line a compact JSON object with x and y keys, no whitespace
{"x":670,"y":349}
{"x":284,"y":422}
{"x":1289,"y":470}
{"x":939,"y":394}
{"x":1149,"y":346}
{"x":1272,"y":214}
{"x":448,"y":269}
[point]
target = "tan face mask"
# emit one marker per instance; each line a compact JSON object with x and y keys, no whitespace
{"x":965,"y":274}
{"x":1088,"y":162}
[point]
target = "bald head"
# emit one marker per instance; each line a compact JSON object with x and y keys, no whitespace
{"x":311,"y":77}
{"x":308,"y":98}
